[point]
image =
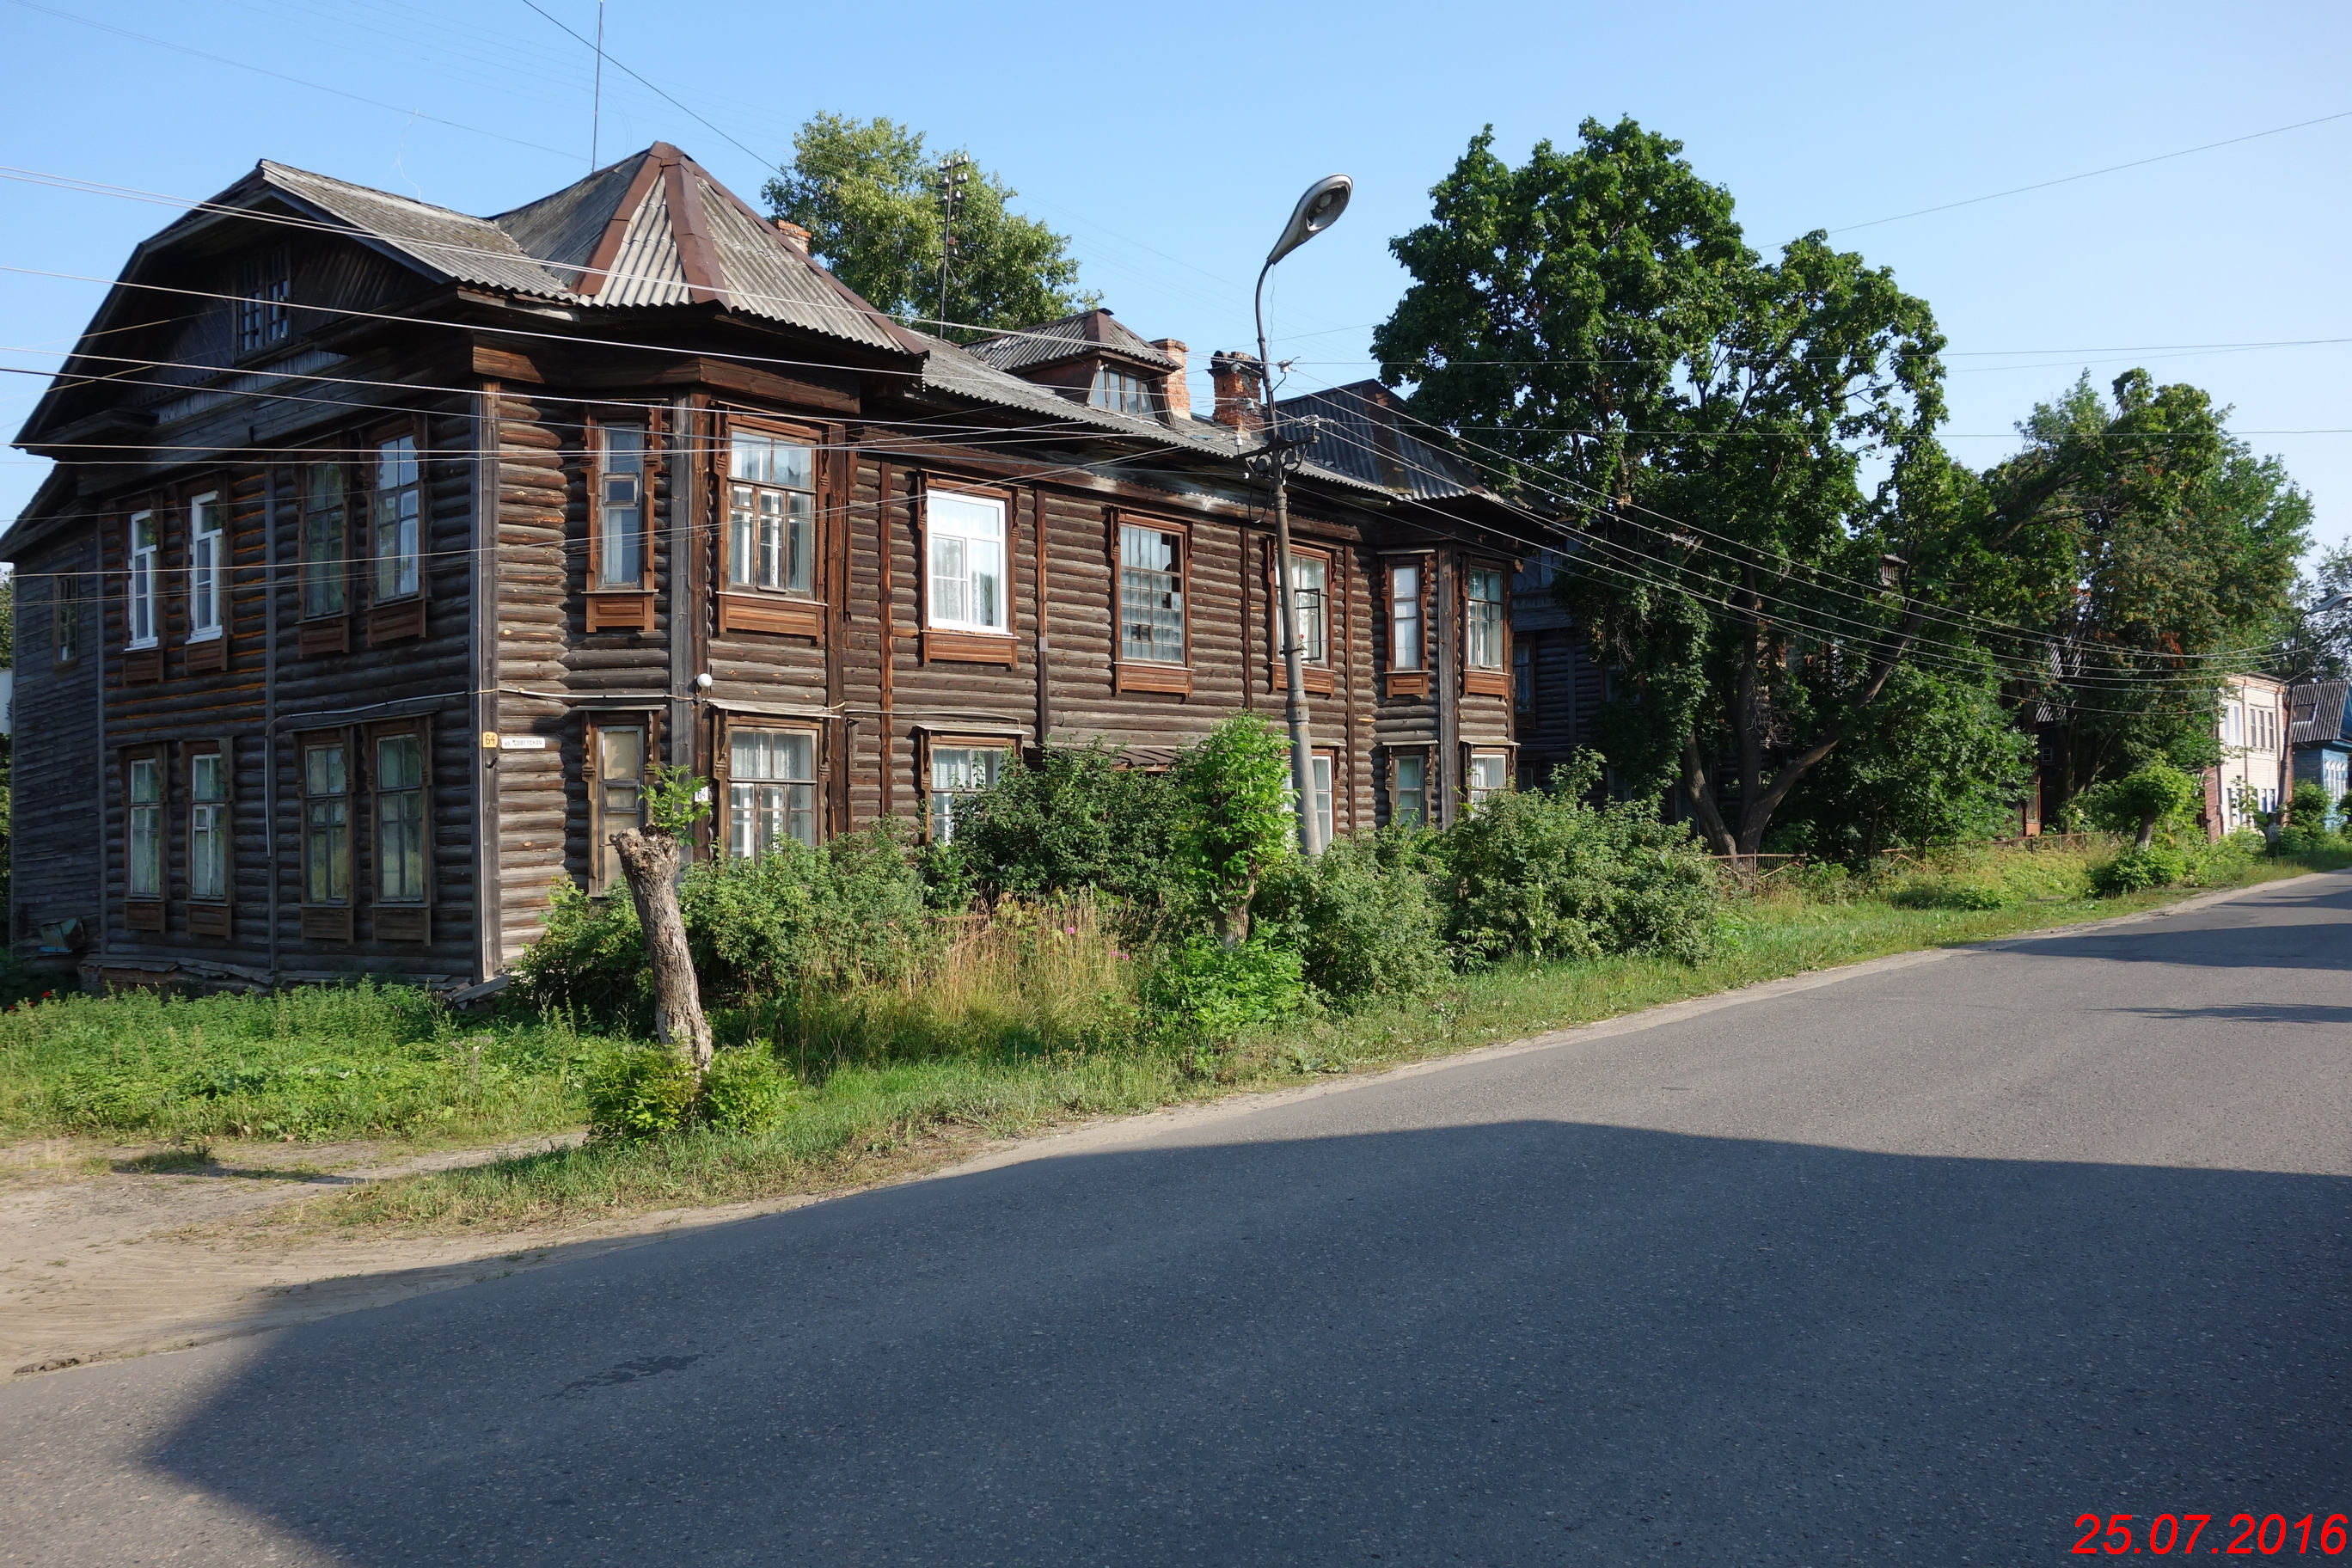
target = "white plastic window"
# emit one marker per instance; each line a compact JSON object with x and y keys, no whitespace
{"x":206,"y":566}
{"x":1489,"y":775}
{"x":145,"y":609}
{"x":1310,"y":577}
{"x":967,"y":550}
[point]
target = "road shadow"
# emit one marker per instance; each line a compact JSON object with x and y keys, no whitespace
{"x":2291,"y":928}
{"x":1505,"y":1344}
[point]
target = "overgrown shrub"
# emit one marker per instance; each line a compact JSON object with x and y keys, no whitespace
{"x":2136,"y":868}
{"x":796,"y":916}
{"x":639,"y":1092}
{"x":743,"y":1092}
{"x":1363,"y":922}
{"x":1235,"y":822}
{"x":1078,"y":821}
{"x":2155,"y":797}
{"x":1544,"y":875}
{"x":1949,"y":893}
{"x":2307,"y":803}
{"x":1201,"y":990}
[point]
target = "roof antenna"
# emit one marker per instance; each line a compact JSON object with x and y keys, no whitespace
{"x":596,"y":104}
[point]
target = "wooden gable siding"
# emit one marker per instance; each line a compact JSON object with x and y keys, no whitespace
{"x":332,"y":274}
{"x":55,"y":848}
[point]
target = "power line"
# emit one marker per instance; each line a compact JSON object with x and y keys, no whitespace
{"x":602,"y":57}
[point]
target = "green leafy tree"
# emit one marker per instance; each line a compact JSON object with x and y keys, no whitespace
{"x":1234,"y":823}
{"x":869,"y":194}
{"x":1741,"y":445}
{"x":2155,"y":796}
{"x":2148,"y":554}
{"x":1079,"y":820}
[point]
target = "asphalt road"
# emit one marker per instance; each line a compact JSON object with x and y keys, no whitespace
{"x":1915,"y":1264}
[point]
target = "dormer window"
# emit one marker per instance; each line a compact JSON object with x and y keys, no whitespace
{"x":262,"y":319}
{"x":1124,"y":392}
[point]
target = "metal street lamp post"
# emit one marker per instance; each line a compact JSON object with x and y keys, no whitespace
{"x":1318,"y":210}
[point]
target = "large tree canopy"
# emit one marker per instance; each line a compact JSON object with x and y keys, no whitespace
{"x":1742,"y":447}
{"x":870,"y":198}
{"x":2148,"y":553}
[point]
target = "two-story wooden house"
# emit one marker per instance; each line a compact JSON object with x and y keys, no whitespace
{"x":388,"y":546}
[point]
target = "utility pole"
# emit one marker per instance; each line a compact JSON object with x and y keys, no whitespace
{"x":596,"y":101}
{"x":955,"y":172}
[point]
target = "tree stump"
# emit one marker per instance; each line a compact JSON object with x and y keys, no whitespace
{"x":650,"y":861}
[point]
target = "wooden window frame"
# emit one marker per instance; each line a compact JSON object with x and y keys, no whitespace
{"x":398,"y":616}
{"x":723,"y":773}
{"x":1400,"y":681}
{"x":1316,"y":675}
{"x":1427,"y":757}
{"x":964,"y":643}
{"x":1474,"y":749}
{"x":145,"y":911}
{"x":327,"y":631}
{"x":210,"y":916}
{"x":609,"y":606}
{"x":65,"y":598}
{"x":647,"y":723}
{"x":1495,"y":680}
{"x":747,"y":606}
{"x":927,"y":743}
{"x":265,"y":296}
{"x":327,"y":921}
{"x":1329,"y":815}
{"x":202,"y":649}
{"x":403,"y":919}
{"x":1109,"y":378}
{"x":132,"y":598}
{"x":1149,"y":674}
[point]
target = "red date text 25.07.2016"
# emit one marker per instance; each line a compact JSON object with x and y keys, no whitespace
{"x":2264,"y":1535}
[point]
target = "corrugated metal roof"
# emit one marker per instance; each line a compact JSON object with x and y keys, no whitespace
{"x":1361,"y":432}
{"x":2315,"y":712}
{"x":560,"y":230}
{"x":1088,"y":332}
{"x":647,"y":270}
{"x":948,"y":367}
{"x":469,"y":249}
{"x":766,"y":277}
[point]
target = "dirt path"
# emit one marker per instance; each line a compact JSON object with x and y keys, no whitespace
{"x":104,"y":1255}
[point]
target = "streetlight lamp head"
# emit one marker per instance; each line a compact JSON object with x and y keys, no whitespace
{"x":1318,"y":210}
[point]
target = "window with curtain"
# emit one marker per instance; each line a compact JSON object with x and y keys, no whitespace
{"x":968,"y":587}
{"x":771,"y":513}
{"x":209,"y":826}
{"x":400,"y":848}
{"x":1151,"y":595}
{"x":323,"y":540}
{"x":770,"y":790}
{"x":399,"y":543}
{"x":957,"y":773}
{"x":145,"y":610}
{"x":619,"y":506}
{"x":206,"y":566}
{"x":326,"y":825}
{"x":1406,"y":650}
{"x":1483,"y":628}
{"x":1490,"y":775}
{"x":144,"y":870}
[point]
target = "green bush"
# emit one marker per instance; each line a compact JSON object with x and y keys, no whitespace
{"x":2156,"y":795}
{"x":797,"y":916}
{"x":2135,"y":869}
{"x":2307,"y":803}
{"x":1078,"y":820}
{"x":743,"y":1092}
{"x":1236,"y":822}
{"x":1201,"y":990}
{"x":639,"y":1092}
{"x":1543,"y":875}
{"x":1363,"y":922}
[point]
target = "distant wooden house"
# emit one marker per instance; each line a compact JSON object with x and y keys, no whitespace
{"x":387,"y":547}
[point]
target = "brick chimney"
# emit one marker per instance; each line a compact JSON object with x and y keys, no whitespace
{"x":1174,"y":390}
{"x":1236,"y":375}
{"x":794,"y":235}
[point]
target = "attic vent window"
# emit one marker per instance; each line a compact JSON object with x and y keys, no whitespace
{"x":1122,"y":391}
{"x":262,"y":318}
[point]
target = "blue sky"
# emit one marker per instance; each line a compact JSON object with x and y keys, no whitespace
{"x":1169,"y":142}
